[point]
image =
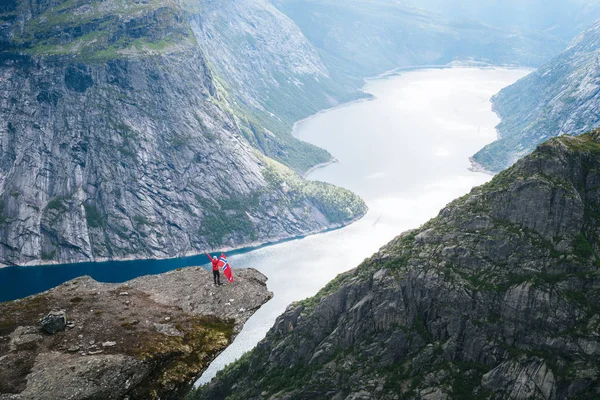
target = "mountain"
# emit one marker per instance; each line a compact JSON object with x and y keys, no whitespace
{"x":358,"y":38}
{"x":564,"y":19}
{"x":285,"y":60}
{"x":563,"y":96}
{"x":153,"y":129}
{"x":495,"y":298}
{"x":273,"y":74}
{"x":117,"y":141}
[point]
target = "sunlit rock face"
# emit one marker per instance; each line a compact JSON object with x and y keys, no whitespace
{"x":117,"y":141}
{"x":562,"y":97}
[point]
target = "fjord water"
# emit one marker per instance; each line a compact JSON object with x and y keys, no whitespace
{"x":406,"y":153}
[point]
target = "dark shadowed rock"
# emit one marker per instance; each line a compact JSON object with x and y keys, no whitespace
{"x":78,"y":79}
{"x":496,"y":298}
{"x":55,"y":321}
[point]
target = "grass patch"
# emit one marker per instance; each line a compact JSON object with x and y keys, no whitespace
{"x":25,"y":312}
{"x":94,"y":218}
{"x":582,"y":247}
{"x":57,"y":204}
{"x":48,"y":256}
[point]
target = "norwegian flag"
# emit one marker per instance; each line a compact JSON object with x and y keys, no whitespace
{"x":226,"y":268}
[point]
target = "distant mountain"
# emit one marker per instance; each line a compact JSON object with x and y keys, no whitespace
{"x":563,"y":96}
{"x":496,"y":298}
{"x":358,"y":38}
{"x":284,"y":60}
{"x":564,"y":19}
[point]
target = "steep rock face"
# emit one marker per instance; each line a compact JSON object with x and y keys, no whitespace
{"x":273,"y":73}
{"x":117,"y":142}
{"x":495,"y":298}
{"x":560,"y":97}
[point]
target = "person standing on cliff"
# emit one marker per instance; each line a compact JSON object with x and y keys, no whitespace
{"x":215,"y":268}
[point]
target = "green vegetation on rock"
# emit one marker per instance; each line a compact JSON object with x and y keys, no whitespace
{"x":500,"y":287}
{"x":94,"y":31}
{"x":337,"y":204}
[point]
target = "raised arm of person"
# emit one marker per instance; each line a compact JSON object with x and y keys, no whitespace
{"x":208,"y":255}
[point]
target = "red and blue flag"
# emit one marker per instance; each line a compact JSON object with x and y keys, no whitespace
{"x":225,"y":267}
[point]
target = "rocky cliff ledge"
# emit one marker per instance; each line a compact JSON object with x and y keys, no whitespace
{"x":147,"y":338}
{"x":496,"y":298}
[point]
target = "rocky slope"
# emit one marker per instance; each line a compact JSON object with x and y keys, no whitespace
{"x":561,"y":97}
{"x":495,"y":298}
{"x":564,"y":19}
{"x":147,"y":338}
{"x":272,"y":73}
{"x":117,"y":141}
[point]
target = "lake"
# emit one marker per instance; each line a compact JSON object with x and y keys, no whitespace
{"x":406,"y":153}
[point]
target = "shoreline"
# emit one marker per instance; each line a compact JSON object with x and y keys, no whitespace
{"x":319,"y":166}
{"x":395,"y":72}
{"x":367,"y":97}
{"x":246,"y":248}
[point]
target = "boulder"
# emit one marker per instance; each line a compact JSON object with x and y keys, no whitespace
{"x":54,"y":322}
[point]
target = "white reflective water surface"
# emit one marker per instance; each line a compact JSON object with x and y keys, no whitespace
{"x":406,"y":153}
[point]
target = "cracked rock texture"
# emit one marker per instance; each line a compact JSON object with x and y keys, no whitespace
{"x":148,"y":338}
{"x":496,"y":298}
{"x":117,"y":141}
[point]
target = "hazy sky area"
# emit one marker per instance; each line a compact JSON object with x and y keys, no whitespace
{"x":563,"y":18}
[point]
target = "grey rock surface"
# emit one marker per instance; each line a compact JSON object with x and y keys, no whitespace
{"x":153,"y":343}
{"x":55,"y":321}
{"x":561,"y":97}
{"x":118,"y":142}
{"x":496,"y":298}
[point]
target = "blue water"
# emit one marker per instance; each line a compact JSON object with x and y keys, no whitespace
{"x":19,"y":282}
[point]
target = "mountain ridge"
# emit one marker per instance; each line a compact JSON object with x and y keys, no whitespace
{"x":131,"y":131}
{"x":494,"y":298}
{"x":560,"y":97}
